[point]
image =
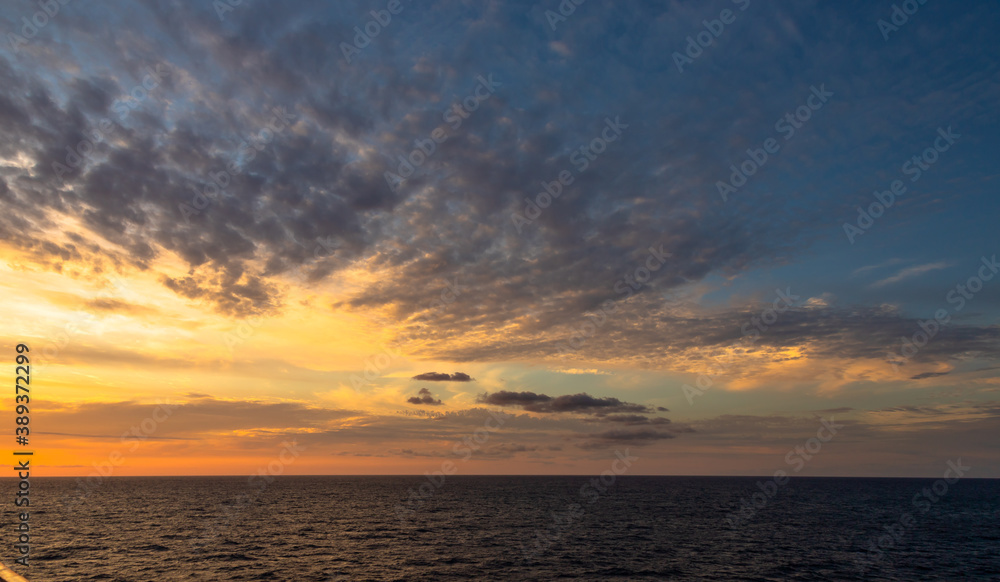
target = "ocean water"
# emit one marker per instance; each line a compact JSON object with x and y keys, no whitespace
{"x":510,"y":528}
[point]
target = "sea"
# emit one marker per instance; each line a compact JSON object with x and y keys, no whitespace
{"x":445,"y":528}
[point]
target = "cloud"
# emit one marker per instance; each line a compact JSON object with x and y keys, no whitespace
{"x":424,"y":396}
{"x":909,"y":273}
{"x":875,"y":267}
{"x":637,"y":332}
{"x":119,"y":306}
{"x":436,"y":377}
{"x":632,"y":419}
{"x":200,"y":417}
{"x":415,"y":453}
{"x":506,"y":398}
{"x":928,"y":375}
{"x":567,"y":403}
{"x":322,"y":175}
{"x":637,"y":437}
{"x":236,"y":294}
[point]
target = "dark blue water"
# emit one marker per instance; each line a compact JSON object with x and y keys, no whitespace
{"x":510,"y":528}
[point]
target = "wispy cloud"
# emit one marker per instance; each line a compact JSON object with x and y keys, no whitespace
{"x":881,"y":265}
{"x":909,"y":273}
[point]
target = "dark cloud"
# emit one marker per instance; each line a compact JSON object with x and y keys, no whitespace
{"x":922,"y":410}
{"x":506,"y":398}
{"x":567,"y":403}
{"x":590,"y":404}
{"x":839,"y":410}
{"x":509,"y":450}
{"x":436,"y":377}
{"x":926,"y":375}
{"x":633,"y":435}
{"x":618,"y":437}
{"x":415,"y":453}
{"x":631,"y":419}
{"x":234,"y":294}
{"x":424,"y":396}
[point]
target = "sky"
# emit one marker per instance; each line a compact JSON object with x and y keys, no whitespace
{"x":722,"y":237}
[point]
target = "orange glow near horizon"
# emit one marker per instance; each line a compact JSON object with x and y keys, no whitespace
{"x":107,"y":350}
